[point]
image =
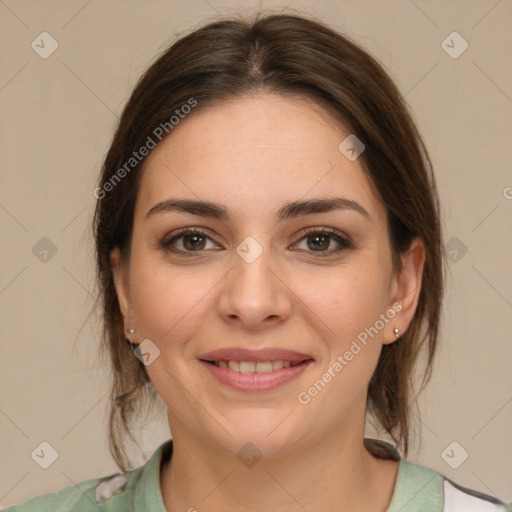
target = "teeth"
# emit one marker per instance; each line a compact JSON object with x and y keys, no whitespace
{"x":247,"y":366}
{"x":263,"y":367}
{"x":277,"y":365}
{"x":253,"y":367}
{"x":234,"y":365}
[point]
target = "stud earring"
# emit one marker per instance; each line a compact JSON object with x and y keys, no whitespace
{"x":130,"y":331}
{"x":396,"y":331}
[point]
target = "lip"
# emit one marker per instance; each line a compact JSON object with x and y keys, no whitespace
{"x":254,"y":382}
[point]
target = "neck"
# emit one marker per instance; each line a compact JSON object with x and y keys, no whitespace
{"x":306,"y":477}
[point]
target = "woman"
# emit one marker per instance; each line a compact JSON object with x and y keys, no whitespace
{"x":269,"y":260}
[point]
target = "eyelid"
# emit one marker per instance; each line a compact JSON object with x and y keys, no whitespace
{"x":324,"y":229}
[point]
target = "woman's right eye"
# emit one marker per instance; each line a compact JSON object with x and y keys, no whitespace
{"x":187,"y":241}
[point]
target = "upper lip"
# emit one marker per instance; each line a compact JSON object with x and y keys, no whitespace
{"x":261,"y":354}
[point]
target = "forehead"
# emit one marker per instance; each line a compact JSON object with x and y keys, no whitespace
{"x":256,"y":150}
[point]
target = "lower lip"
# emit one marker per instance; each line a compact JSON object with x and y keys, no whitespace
{"x":256,"y":381}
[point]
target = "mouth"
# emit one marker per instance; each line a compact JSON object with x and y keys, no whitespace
{"x":255,"y":370}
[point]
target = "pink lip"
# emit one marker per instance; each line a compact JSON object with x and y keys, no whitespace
{"x":255,"y":381}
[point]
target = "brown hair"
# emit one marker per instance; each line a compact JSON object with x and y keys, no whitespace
{"x":288,"y":55}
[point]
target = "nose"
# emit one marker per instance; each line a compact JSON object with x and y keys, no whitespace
{"x":254,"y":294}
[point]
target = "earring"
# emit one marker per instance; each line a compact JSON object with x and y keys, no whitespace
{"x":396,"y":331}
{"x":130,"y":331}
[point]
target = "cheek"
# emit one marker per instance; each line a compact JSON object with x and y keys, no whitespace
{"x":346,"y":309}
{"x":347,"y":300}
{"x":167,"y":300}
{"x":346,"y":304}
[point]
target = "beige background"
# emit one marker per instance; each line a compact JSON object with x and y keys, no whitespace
{"x":57,"y":119}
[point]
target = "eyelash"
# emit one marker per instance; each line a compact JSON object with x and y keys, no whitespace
{"x":345,"y":243}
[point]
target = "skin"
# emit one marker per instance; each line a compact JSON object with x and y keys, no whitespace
{"x":252,"y":155}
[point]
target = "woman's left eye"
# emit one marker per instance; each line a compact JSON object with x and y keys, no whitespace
{"x":317,"y":241}
{"x":321,"y":239}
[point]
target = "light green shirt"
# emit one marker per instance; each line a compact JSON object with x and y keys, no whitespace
{"x":417,"y":489}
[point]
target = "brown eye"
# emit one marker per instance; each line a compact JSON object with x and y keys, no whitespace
{"x":321,"y":240}
{"x":187,"y":240}
{"x":193,"y":242}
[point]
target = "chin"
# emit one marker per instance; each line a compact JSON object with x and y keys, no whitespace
{"x":262,"y":432}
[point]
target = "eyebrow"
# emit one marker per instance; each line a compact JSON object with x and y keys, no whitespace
{"x":292,"y":209}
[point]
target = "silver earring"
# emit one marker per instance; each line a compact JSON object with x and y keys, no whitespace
{"x":397,"y":332}
{"x":130,"y":331}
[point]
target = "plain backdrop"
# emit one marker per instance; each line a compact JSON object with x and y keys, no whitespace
{"x":57,"y":118}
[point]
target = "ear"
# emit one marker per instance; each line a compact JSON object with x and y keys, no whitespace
{"x":122,"y":283}
{"x":405,"y":291}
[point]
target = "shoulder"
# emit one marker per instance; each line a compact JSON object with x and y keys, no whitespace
{"x":100,"y":494}
{"x":136,"y":490}
{"x":461,"y":498}
{"x":421,"y":489}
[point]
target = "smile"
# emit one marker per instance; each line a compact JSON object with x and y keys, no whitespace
{"x":254,"y":370}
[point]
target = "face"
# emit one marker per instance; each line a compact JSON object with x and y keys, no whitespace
{"x":265,"y":318}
